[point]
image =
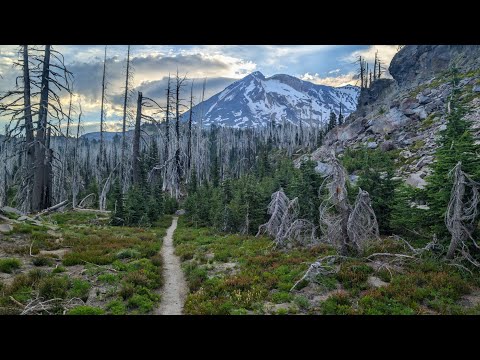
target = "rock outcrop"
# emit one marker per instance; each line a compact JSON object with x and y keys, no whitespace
{"x":407,"y":113}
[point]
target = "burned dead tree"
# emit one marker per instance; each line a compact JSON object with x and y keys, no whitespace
{"x":461,"y":217}
{"x":335,"y":209}
{"x":75,"y":175}
{"x":284,"y":225}
{"x":277,"y":209}
{"x":124,"y":118}
{"x":362,"y":223}
{"x":39,"y":199}
{"x":101,"y":155}
{"x":345,"y":227}
{"x":136,"y":142}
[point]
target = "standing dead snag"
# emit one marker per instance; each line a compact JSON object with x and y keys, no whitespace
{"x":39,"y":200}
{"x":277,"y":209}
{"x":344,"y":226}
{"x":461,"y":215}
{"x":335,"y":223}
{"x":362,"y":223}
{"x":283,"y":224}
{"x":136,"y":142}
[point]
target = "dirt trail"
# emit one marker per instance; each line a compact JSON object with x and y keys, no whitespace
{"x":174,"y":288}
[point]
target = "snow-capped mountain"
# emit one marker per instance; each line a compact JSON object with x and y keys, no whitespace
{"x":256,"y":100}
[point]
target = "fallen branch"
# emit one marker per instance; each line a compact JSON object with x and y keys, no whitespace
{"x":16,"y":301}
{"x":92,"y":210}
{"x":84,"y":199}
{"x":100,"y":266}
{"x":51,"y":209}
{"x":389,"y":254}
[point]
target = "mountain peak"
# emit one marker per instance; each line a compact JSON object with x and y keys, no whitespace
{"x":256,"y":101}
{"x":257,"y":74}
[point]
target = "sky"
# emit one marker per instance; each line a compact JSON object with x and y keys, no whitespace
{"x":332,"y":65}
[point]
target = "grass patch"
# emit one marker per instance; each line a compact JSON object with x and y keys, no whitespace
{"x":116,"y":307}
{"x":260,"y":274}
{"x":86,"y":310}
{"x":9,"y":265}
{"x":42,"y":261}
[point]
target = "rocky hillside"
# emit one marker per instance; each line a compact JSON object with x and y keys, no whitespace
{"x":406,"y":114}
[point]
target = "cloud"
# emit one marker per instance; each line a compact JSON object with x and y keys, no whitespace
{"x":385,"y":54}
{"x":336,"y":81}
{"x":334,"y":71}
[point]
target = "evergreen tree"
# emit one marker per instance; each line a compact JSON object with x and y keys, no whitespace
{"x":456,"y":144}
{"x":118,"y":209}
{"x":332,"y":122}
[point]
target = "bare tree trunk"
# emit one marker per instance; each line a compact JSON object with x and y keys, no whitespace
{"x":167,"y":136}
{"x":30,"y":141}
{"x":455,"y":212}
{"x":189,"y":144}
{"x":136,"y":142}
{"x":38,"y":195}
{"x":102,"y":114}
{"x":125,"y":100}
{"x":75,"y":163}
{"x":178,"y":168}
{"x":48,"y":175}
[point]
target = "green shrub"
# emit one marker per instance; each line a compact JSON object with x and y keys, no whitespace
{"x":42,"y":261}
{"x":353,"y":275}
{"x":86,"y":310}
{"x":127,"y":291}
{"x":281,"y":297}
{"x":128,"y":254}
{"x":52,"y":287}
{"x":327,"y":282}
{"x":116,"y":307}
{"x":337,"y":304}
{"x":302,"y":302}
{"x":79,"y":289}
{"x":58,"y":270}
{"x":8,"y":265}
{"x":141,"y":302}
{"x":108,"y":278}
{"x":383,"y":306}
{"x":157,"y":260}
{"x":240,"y":311}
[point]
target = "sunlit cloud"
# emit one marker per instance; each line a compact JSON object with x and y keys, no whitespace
{"x":336,"y":81}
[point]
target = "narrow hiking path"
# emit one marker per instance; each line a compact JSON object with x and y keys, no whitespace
{"x":174,"y":288}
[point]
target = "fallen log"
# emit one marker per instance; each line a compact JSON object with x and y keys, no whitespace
{"x":51,"y":209}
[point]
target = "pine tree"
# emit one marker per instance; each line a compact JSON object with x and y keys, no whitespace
{"x":332,"y":122}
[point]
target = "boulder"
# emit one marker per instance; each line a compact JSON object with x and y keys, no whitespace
{"x":180,"y":212}
{"x":387,"y":145}
{"x":425,"y":160}
{"x":416,"y":181}
{"x":323,"y":169}
{"x":353,"y":178}
{"x":422,"y":99}
{"x":372,"y":145}
{"x":394,"y":119}
{"x":350,"y":131}
{"x":7,"y":209}
{"x":476,"y":88}
{"x":420,"y":111}
{"x":5,"y":228}
{"x":376,"y":282}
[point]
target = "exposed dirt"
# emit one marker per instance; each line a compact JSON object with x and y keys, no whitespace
{"x":175,"y":288}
